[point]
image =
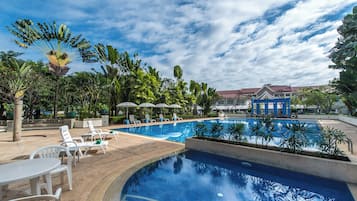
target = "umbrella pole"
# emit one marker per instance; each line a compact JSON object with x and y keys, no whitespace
{"x":126,"y":112}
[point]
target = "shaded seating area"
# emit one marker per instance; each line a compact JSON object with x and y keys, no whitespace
{"x":133,"y":120}
{"x":162,"y":118}
{"x":175,"y":117}
{"x":148,"y":119}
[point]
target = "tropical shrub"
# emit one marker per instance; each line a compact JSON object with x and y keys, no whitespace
{"x":236,"y":131}
{"x":200,"y":129}
{"x":256,"y":130}
{"x":331,"y":137}
{"x":296,"y":138}
{"x":216,"y":129}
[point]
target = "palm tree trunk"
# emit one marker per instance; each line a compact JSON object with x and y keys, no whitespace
{"x":16,"y":136}
{"x":55,"y":99}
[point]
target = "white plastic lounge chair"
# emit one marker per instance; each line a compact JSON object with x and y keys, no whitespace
{"x":98,"y":132}
{"x":148,"y":119}
{"x":133,"y":120}
{"x":175,"y":117}
{"x":54,"y":151}
{"x":76,"y":144}
{"x":48,"y":197}
{"x":161,"y":118}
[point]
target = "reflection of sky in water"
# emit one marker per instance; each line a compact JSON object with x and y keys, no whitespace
{"x":203,"y":177}
{"x":178,"y":132}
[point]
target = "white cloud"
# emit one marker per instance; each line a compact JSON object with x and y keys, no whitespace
{"x":203,"y":37}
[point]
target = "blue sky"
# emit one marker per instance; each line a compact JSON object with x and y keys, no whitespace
{"x":230,"y":44}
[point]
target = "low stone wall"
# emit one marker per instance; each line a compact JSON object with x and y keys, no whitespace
{"x":331,"y":169}
{"x":97,"y":122}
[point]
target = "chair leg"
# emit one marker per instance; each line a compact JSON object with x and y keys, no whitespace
{"x":62,"y":178}
{"x":103,"y":149}
{"x":49,"y":183}
{"x":69,"y":176}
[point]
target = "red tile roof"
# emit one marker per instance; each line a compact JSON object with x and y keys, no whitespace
{"x":249,"y":91}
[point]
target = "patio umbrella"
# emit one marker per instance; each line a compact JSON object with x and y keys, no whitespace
{"x":127,"y":105}
{"x":175,"y":106}
{"x":146,"y":105}
{"x":161,"y":105}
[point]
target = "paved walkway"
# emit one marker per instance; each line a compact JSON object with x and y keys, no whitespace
{"x":94,"y":174}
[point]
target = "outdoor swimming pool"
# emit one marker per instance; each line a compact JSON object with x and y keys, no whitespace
{"x":196,"y":176}
{"x":178,"y":132}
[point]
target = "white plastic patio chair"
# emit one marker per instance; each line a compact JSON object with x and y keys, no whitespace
{"x":54,"y":151}
{"x":77,"y":144}
{"x":102,"y":134}
{"x":48,"y":197}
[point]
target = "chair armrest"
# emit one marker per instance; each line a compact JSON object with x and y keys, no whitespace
{"x":99,"y":134}
{"x":65,"y":143}
{"x":80,"y":139}
{"x":56,"y":196}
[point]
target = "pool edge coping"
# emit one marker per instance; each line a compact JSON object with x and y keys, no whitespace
{"x":110,"y":187}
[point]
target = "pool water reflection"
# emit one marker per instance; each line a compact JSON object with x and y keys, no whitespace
{"x":193,"y":175}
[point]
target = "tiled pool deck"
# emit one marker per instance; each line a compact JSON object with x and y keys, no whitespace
{"x":94,"y":174}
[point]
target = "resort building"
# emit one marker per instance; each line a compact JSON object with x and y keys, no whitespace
{"x":240,"y":100}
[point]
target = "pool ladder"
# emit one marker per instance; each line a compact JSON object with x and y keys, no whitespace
{"x":137,"y":197}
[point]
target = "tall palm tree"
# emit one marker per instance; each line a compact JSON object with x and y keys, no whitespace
{"x":110,"y":58}
{"x":16,"y":79}
{"x":195,"y":90}
{"x":58,"y":44}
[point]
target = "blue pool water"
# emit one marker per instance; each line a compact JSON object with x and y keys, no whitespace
{"x":178,"y":132}
{"x":198,"y":176}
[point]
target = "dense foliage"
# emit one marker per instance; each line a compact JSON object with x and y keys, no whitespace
{"x":344,"y":57}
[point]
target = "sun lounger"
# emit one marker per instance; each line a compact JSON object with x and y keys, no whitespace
{"x":175,"y":117}
{"x":93,"y":133}
{"x":77,"y":144}
{"x":133,"y":120}
{"x":162,"y":118}
{"x":148,"y":119}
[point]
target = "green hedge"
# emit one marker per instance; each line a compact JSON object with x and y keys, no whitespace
{"x":117,"y":119}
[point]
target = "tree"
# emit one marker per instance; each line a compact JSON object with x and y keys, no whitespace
{"x":195,"y":90}
{"x":56,"y":42}
{"x":16,"y":79}
{"x":207,"y":98}
{"x":111,"y":66}
{"x":177,"y":72}
{"x":323,"y":100}
{"x":344,"y":57}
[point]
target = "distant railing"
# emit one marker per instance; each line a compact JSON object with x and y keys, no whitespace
{"x":3,"y":123}
{"x":42,"y":121}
